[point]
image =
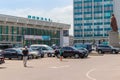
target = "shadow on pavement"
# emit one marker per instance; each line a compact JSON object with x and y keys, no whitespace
{"x":3,"y":67}
{"x":64,"y":61}
{"x":29,"y":67}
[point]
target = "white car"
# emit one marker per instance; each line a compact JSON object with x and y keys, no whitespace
{"x":43,"y":49}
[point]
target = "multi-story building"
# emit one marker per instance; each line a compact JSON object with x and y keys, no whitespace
{"x":71,"y":40}
{"x":24,"y":31}
{"x":92,"y":19}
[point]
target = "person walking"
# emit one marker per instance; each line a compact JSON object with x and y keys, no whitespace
{"x":61,"y":54}
{"x":25,"y":56}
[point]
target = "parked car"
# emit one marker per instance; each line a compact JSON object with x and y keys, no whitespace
{"x":88,"y":46}
{"x":45,"y":49}
{"x":14,"y":53}
{"x":34,"y":54}
{"x":1,"y":58}
{"x":84,"y":50}
{"x":106,"y":48}
{"x":70,"y":51}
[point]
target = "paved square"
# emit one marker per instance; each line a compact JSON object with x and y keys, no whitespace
{"x":106,"y":67}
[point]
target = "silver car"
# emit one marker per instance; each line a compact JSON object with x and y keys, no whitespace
{"x":35,"y":54}
{"x":45,"y":49}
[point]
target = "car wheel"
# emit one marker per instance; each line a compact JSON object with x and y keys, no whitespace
{"x":100,"y":51}
{"x":86,"y":55}
{"x":32,"y":56}
{"x":20,"y":57}
{"x":42,"y":55}
{"x":49,"y":55}
{"x":76,"y":56}
{"x":10,"y":58}
{"x":36,"y":57}
{"x":58,"y":55}
{"x":65,"y":56}
{"x":113,"y":51}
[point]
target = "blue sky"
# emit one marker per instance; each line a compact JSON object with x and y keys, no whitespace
{"x":57,"y":10}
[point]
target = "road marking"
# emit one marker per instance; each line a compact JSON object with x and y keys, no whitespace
{"x":55,"y":67}
{"x":88,"y":74}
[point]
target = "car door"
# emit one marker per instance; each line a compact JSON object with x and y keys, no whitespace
{"x":14,"y":53}
{"x":64,"y":51}
{"x":67,"y":51}
{"x":7,"y":53}
{"x":44,"y":50}
{"x":107,"y":48}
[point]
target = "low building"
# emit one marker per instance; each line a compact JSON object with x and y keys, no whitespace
{"x":24,"y":31}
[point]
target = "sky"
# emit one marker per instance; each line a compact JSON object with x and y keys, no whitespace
{"x":57,"y":10}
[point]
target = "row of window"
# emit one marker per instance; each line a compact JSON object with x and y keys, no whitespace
{"x":96,"y":4}
{"x":89,"y":24}
{"x":10,"y":38}
{"x":86,"y":36}
{"x":15,"y":34}
{"x":28,"y":31}
{"x":92,"y":0}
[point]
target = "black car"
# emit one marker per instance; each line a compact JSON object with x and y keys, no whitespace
{"x":13,"y":53}
{"x":84,"y":50}
{"x":106,"y":48}
{"x":70,"y":51}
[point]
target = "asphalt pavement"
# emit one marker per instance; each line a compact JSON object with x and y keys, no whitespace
{"x":105,"y":67}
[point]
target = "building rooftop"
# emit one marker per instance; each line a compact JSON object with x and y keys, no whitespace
{"x":24,"y":21}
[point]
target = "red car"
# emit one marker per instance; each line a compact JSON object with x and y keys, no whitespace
{"x":1,"y":58}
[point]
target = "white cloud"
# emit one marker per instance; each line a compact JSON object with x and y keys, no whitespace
{"x":62,"y":14}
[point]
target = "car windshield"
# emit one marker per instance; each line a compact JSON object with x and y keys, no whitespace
{"x":38,"y":47}
{"x":29,"y":49}
{"x":111,"y":46}
{"x":34,"y":47}
{"x":19,"y":50}
{"x":80,"y":45}
{"x":80,"y":48}
{"x":49,"y":48}
{"x":74,"y":48}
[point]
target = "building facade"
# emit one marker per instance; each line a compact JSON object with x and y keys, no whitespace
{"x":71,"y":40}
{"x":24,"y":31}
{"x":92,"y":19}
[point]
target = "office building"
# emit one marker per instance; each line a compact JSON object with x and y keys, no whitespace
{"x":92,"y":19}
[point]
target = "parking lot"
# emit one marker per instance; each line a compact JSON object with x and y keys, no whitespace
{"x":95,"y":67}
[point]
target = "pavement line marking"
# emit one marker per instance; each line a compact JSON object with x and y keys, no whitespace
{"x":65,"y":66}
{"x":88,"y":74}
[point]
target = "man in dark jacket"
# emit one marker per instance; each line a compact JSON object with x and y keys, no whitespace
{"x":25,"y":56}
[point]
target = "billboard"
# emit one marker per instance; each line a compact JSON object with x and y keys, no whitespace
{"x":65,"y":41}
{"x":32,"y":37}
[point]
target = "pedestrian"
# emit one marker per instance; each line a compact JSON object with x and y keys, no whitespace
{"x":61,"y":54}
{"x":25,"y":56}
